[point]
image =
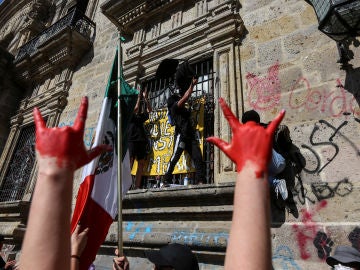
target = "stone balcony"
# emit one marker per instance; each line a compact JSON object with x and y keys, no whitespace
{"x":60,"y":46}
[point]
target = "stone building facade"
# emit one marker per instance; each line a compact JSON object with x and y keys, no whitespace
{"x":263,"y":55}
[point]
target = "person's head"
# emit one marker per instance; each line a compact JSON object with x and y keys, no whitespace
{"x":250,"y":116}
{"x":345,"y":256}
{"x":173,"y":256}
{"x":183,"y":77}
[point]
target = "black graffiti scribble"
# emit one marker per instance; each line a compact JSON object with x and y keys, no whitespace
{"x":323,"y":244}
{"x":301,"y":192}
{"x":354,"y":238}
{"x":329,"y":142}
{"x":324,"y":191}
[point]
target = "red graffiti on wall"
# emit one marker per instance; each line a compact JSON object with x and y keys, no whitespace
{"x":336,"y":102}
{"x":307,"y":231}
{"x":264,"y":93}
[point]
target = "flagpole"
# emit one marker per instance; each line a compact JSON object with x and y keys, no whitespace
{"x":119,"y":149}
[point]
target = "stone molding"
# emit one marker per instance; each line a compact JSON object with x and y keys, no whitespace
{"x":60,"y":46}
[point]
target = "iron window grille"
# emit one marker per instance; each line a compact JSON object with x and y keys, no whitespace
{"x":20,"y":167}
{"x":161,"y":89}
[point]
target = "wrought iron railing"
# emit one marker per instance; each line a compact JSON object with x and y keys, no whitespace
{"x":75,"y":20}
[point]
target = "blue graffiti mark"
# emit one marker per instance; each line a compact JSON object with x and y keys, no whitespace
{"x":136,"y":230}
{"x":286,"y":257}
{"x":129,"y":226}
{"x":195,"y":238}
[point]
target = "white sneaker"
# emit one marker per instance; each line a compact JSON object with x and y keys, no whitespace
{"x":280,"y":187}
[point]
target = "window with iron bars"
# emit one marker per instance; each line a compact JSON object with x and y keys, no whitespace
{"x":159,"y":90}
{"x":20,"y":167}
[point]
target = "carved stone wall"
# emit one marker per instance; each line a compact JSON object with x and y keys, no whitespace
{"x":22,"y":20}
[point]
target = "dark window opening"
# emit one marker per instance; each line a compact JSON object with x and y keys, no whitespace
{"x":159,"y":91}
{"x":20,"y":168}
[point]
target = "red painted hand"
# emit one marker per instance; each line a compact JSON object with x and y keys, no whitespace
{"x":65,"y":144}
{"x":250,"y":141}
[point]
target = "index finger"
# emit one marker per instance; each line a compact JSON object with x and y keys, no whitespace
{"x":82,"y":114}
{"x":38,"y":119}
{"x":229,"y":115}
{"x":275,"y":123}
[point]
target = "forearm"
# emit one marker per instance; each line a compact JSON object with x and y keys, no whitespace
{"x":249,"y":244}
{"x":47,"y":239}
{"x":148,"y":105}
{"x":74,"y":264}
{"x":137,"y":105}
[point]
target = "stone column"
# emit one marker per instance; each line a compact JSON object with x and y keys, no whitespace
{"x":225,"y":87}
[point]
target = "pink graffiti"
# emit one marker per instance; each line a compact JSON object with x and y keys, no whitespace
{"x":265,"y":93}
{"x":336,"y":102}
{"x":307,"y":232}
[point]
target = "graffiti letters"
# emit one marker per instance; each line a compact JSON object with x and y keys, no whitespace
{"x":318,"y":132}
{"x":321,"y":191}
{"x":265,"y":94}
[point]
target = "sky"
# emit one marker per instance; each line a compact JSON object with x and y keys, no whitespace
{"x":1,"y":1}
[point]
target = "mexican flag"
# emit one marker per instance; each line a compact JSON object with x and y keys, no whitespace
{"x":96,"y":204}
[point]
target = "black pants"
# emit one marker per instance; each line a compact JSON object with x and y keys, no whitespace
{"x":193,"y":148}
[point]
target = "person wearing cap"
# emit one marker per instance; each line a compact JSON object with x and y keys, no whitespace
{"x":170,"y":257}
{"x":345,"y":257}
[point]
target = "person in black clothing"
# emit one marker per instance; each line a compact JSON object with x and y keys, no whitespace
{"x":137,"y":134}
{"x":184,"y":137}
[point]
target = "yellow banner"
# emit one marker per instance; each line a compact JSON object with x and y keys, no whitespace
{"x":161,"y":142}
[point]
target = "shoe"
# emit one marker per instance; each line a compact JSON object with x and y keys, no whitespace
{"x":280,"y":187}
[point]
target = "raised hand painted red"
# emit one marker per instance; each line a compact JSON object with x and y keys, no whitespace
{"x":250,"y":141}
{"x":65,"y":144}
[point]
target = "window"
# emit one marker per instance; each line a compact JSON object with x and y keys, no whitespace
{"x":159,"y":91}
{"x":20,"y":168}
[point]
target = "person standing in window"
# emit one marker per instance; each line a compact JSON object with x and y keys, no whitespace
{"x":184,"y":137}
{"x":137,"y":135}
